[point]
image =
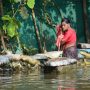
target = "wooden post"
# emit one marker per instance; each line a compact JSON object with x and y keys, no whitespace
{"x":86,"y":22}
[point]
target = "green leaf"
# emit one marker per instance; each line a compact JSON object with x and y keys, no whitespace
{"x":11,"y":29}
{"x":11,"y":25}
{"x":16,"y":23}
{"x":4,"y":27}
{"x":6,"y":18}
{"x":17,"y":1}
{"x":31,"y":3}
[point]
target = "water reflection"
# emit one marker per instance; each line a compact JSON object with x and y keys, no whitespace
{"x":67,"y":85}
{"x":77,"y":79}
{"x":62,"y":81}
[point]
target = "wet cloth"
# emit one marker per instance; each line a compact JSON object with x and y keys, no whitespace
{"x":59,"y":36}
{"x":58,"y":30}
{"x":58,"y":41}
{"x":70,"y":52}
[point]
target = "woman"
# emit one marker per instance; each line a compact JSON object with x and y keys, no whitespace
{"x":68,"y":41}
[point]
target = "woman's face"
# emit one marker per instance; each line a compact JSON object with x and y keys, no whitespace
{"x":65,"y":26}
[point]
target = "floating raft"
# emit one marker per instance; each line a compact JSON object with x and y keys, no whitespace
{"x":54,"y":59}
{"x":60,"y":62}
{"x":59,"y":65}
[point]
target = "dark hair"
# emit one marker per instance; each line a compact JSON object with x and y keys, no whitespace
{"x":66,"y":20}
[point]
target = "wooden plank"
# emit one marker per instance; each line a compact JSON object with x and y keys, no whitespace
{"x":83,"y":45}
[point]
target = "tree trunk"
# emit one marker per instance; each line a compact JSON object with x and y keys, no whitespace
{"x":86,"y":22}
{"x":1,"y":34}
{"x":37,"y":32}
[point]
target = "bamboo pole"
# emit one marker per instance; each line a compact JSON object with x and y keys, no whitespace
{"x":37,"y":32}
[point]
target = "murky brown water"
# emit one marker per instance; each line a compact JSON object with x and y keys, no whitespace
{"x":78,"y":79}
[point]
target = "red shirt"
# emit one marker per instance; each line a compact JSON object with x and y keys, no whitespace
{"x":69,"y":36}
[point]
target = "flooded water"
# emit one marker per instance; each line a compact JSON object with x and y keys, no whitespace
{"x":77,"y":79}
